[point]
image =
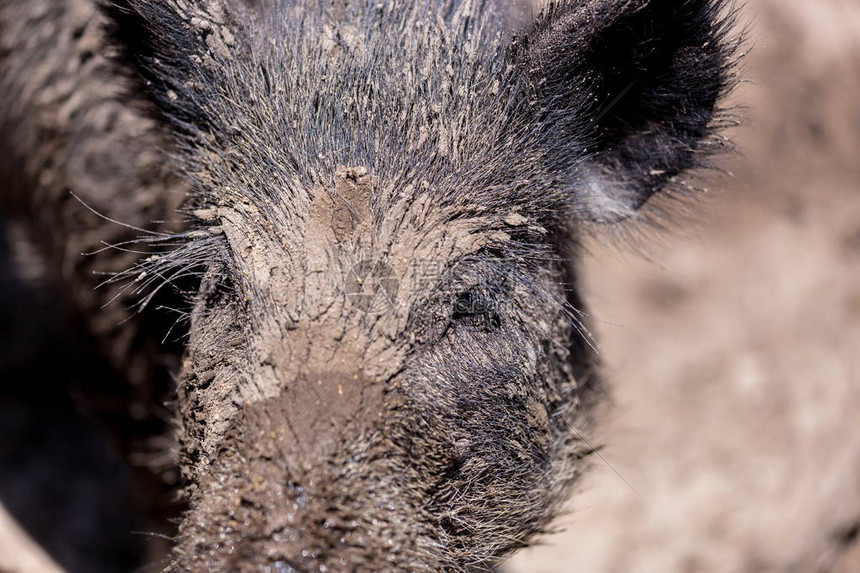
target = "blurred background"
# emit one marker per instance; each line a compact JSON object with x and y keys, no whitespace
{"x":734,"y":348}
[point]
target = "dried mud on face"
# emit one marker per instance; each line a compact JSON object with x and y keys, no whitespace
{"x":734,"y":350}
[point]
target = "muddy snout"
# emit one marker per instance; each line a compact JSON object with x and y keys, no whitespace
{"x":305,"y":480}
{"x":319,"y":415}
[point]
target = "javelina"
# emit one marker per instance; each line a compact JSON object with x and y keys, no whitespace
{"x":387,"y":364}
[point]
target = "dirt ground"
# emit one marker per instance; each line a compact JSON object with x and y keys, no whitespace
{"x":733,"y":444}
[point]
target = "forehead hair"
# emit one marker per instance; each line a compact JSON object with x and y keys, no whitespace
{"x":419,"y":93}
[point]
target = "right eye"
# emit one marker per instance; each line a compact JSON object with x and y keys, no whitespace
{"x":469,"y":303}
{"x":476,"y":309}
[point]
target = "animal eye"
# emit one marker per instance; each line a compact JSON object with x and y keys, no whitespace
{"x":470,"y":303}
{"x":476,"y":309}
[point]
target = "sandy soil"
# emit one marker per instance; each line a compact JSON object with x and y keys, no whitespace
{"x":734,"y":349}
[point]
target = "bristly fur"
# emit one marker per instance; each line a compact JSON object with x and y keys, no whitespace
{"x":484,"y":150}
{"x":579,"y":112}
{"x":576,"y":118}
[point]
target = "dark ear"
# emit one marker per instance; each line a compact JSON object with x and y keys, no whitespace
{"x":176,"y":48}
{"x":626,"y":92}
